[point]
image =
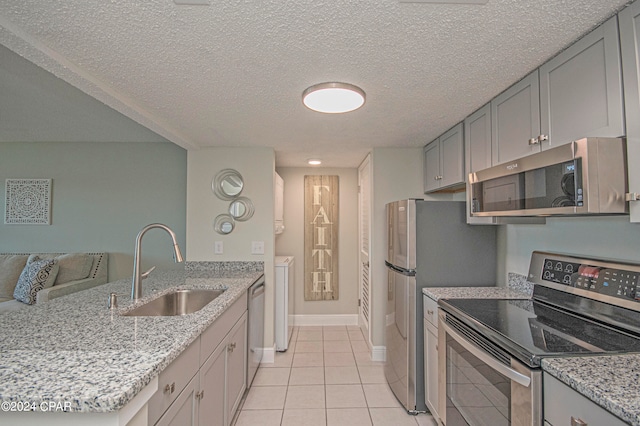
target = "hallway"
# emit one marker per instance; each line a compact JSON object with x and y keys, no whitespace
{"x":326,"y":379}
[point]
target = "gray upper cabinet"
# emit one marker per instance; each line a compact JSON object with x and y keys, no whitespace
{"x":444,"y":161}
{"x":515,"y":119}
{"x":477,"y":138}
{"x":477,"y":146}
{"x":576,"y":94}
{"x":630,"y":43}
{"x":581,"y":89}
{"x":431,"y":161}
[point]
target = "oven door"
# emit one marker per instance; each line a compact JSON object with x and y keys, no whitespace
{"x":481,"y":384}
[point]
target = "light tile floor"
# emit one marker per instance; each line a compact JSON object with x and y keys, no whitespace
{"x":325,"y":378}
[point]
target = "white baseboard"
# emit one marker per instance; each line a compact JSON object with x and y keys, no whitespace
{"x":268,"y":355}
{"x":301,"y":320}
{"x":379,"y":353}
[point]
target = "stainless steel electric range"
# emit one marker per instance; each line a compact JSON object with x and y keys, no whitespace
{"x":580,"y":306}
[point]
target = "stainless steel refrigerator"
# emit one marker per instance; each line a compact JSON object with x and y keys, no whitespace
{"x":429,"y":244}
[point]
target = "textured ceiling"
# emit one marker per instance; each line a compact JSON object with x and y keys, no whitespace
{"x":232,"y":73}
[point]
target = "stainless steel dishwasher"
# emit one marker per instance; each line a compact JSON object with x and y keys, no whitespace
{"x":255,"y":335}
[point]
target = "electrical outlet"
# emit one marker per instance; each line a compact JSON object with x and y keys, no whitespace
{"x":257,"y":247}
{"x":218,"y":247}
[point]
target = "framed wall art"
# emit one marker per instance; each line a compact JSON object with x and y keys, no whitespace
{"x":27,"y":202}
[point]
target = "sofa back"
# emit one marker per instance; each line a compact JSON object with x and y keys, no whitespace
{"x":99,"y":269}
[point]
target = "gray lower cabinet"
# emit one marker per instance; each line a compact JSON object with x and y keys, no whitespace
{"x":576,"y":94}
{"x":630,"y":43}
{"x":564,"y":406}
{"x":205,"y":384}
{"x":184,"y":411}
{"x":223,"y":378}
{"x":444,"y":161}
{"x":431,"y":391}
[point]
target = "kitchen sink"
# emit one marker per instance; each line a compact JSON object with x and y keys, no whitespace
{"x":178,"y":302}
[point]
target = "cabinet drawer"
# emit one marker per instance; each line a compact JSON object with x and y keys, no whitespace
{"x":173,"y":380}
{"x":561,"y":403}
{"x":213,"y":335}
{"x":430,"y":307}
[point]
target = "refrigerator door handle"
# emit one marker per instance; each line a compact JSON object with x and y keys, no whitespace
{"x":407,"y":272}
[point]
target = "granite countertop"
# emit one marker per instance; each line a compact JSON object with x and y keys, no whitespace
{"x":612,"y":382}
{"x":517,"y":288}
{"x":74,"y":350}
{"x":437,"y":293}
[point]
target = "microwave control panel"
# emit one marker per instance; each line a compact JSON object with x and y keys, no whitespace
{"x":602,"y":280}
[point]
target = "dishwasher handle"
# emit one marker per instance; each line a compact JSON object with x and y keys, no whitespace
{"x":257,"y":289}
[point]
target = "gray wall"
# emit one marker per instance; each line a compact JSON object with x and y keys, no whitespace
{"x":611,"y":237}
{"x":102,"y":195}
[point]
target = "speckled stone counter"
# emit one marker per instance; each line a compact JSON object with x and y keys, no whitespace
{"x":518,"y":289}
{"x":74,"y":350}
{"x":613,"y":382}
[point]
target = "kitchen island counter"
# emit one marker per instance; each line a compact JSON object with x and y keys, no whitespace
{"x":73,"y":354}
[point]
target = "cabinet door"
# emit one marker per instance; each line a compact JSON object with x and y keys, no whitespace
{"x":477,"y":153}
{"x":630,"y":44}
{"x":212,"y":383}
{"x":581,"y":89}
{"x":183,"y":411}
{"x":452,"y":157}
{"x":561,"y":404}
{"x":236,"y":370}
{"x":515,"y":118}
{"x":431,"y":155}
{"x":477,"y":138}
{"x":431,"y":368}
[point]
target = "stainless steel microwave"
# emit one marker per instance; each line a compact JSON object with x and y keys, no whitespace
{"x":587,"y":176}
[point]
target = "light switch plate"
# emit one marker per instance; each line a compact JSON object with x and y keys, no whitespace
{"x":257,"y":247}
{"x":218,"y":248}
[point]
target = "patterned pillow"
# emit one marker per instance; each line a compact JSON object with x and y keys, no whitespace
{"x":35,"y":277}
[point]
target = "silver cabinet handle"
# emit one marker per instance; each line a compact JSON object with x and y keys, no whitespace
{"x":170,"y":388}
{"x":632,"y":196}
{"x":429,"y":312}
{"x":533,"y":141}
{"x":200,"y":395}
{"x":578,"y":422}
{"x":231,"y":347}
{"x":538,"y":140}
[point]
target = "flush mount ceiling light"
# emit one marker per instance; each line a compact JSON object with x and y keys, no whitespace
{"x":333,"y":98}
{"x":314,"y":161}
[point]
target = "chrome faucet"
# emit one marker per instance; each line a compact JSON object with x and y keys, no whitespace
{"x":136,"y":284}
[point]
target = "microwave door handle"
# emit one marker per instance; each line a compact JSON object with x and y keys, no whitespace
{"x":487,"y":359}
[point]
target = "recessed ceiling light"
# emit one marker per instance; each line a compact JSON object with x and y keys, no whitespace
{"x":314,"y":161}
{"x":333,"y":98}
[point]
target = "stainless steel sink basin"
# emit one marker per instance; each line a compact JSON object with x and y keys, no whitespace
{"x":179,"y":302}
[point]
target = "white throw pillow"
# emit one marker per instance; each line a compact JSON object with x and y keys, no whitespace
{"x":35,"y":277}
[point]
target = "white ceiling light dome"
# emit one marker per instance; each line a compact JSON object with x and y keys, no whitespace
{"x":333,"y":98}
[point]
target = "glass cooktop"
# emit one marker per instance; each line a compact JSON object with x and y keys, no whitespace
{"x":531,"y":330}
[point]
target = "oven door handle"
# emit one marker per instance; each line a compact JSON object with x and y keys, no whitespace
{"x":486,"y":358}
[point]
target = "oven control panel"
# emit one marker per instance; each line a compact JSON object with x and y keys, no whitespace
{"x":599,"y":279}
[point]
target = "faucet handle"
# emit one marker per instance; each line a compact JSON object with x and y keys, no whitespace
{"x":146,"y":274}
